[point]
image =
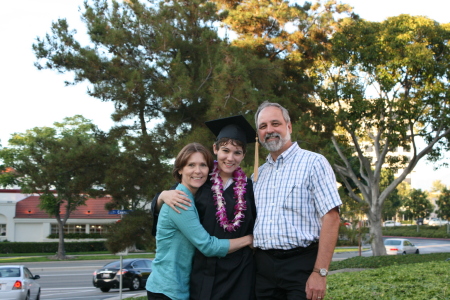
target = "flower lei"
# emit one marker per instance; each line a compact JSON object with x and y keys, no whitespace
{"x":239,"y":191}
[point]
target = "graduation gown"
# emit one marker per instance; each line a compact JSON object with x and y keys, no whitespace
{"x":232,"y":276}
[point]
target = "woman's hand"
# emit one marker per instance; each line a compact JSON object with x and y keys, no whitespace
{"x":175,"y":199}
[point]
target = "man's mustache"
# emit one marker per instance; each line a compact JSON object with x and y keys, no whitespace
{"x":272,"y":135}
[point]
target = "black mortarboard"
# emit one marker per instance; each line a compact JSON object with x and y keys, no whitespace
{"x":236,"y":128}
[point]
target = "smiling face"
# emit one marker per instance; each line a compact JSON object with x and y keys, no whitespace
{"x":273,"y":130}
{"x":229,"y":157}
{"x":195,"y":173}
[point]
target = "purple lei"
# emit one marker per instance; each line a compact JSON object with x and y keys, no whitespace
{"x":239,"y":191}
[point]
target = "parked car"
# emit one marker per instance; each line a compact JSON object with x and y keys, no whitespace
{"x":399,"y":246}
{"x":437,"y":222}
{"x":134,"y":274}
{"x":391,"y":223}
{"x":17,"y":283}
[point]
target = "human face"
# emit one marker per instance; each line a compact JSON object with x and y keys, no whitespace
{"x":229,"y":158}
{"x":195,"y":172}
{"x":273,"y":131}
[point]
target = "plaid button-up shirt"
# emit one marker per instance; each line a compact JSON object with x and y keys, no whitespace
{"x":291,"y":195}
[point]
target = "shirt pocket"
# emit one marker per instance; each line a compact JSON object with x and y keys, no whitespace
{"x":291,"y":201}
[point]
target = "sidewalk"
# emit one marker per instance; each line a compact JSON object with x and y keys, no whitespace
{"x":140,"y":293}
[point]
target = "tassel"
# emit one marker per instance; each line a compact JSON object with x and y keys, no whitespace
{"x":255,"y":167}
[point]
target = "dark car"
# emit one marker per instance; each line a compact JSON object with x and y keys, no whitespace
{"x":134,"y":274}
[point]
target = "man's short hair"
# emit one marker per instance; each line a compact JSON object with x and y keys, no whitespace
{"x":267,"y":104}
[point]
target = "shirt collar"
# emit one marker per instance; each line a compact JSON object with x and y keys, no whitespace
{"x":289,"y":152}
{"x":182,"y":188}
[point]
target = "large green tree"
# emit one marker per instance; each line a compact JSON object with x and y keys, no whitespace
{"x":443,"y":204}
{"x":64,"y":164}
{"x":387,"y":87}
{"x":418,"y":205}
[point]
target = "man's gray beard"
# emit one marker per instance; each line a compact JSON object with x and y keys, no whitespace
{"x":274,"y":146}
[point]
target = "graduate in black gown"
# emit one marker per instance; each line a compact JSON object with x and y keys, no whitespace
{"x":227,"y":210}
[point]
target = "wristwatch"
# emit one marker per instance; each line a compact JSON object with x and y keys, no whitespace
{"x":322,"y":272}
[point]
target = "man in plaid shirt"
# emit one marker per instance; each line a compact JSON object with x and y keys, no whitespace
{"x":297,"y":207}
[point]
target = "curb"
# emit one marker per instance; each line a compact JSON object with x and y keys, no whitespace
{"x":142,"y":293}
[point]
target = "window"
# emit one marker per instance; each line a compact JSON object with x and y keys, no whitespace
{"x":70,"y":228}
{"x":96,"y":229}
{"x":2,"y":229}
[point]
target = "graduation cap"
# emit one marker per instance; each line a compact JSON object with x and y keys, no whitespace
{"x":236,"y":128}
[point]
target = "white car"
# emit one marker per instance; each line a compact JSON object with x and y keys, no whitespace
{"x":17,"y":283}
{"x":400,"y":246}
{"x":437,"y":222}
{"x":391,"y":223}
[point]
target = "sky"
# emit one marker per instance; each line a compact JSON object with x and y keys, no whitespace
{"x":30,"y":98}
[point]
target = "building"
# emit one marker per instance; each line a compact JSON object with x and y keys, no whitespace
{"x":21,"y":220}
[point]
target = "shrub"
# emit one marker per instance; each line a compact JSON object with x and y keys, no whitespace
{"x":50,"y":247}
{"x":430,"y":280}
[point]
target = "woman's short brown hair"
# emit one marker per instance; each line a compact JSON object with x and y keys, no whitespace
{"x":184,"y":155}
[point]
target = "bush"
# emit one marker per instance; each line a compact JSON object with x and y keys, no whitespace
{"x":77,"y":236}
{"x":388,"y":260}
{"x":430,"y":280}
{"x":411,"y":231}
{"x":50,"y":247}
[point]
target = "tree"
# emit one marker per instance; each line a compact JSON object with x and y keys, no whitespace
{"x":443,"y":204}
{"x":437,"y":186}
{"x":386,"y":86}
{"x":133,"y":230}
{"x":418,"y":205}
{"x":393,"y":202}
{"x":64,"y":165}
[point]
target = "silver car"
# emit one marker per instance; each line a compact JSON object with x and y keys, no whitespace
{"x":400,"y":246}
{"x":17,"y":283}
{"x":437,"y":222}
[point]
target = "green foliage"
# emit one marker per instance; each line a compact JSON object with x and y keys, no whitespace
{"x":418,"y":205}
{"x":133,"y":230}
{"x":393,"y":282}
{"x":411,"y":231}
{"x":64,"y":165}
{"x":352,"y":236}
{"x":50,"y":247}
{"x":385,"y":85}
{"x":77,"y":236}
{"x":373,"y":262}
{"x":443,"y":204}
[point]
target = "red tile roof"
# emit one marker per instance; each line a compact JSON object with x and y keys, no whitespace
{"x":94,"y":209}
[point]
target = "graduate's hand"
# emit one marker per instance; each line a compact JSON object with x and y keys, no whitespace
{"x":175,"y":199}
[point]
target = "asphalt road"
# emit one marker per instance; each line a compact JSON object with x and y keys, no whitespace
{"x":425,"y":246}
{"x":72,"y":280}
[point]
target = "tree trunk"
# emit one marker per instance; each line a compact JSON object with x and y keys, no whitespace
{"x":376,"y":235}
{"x":61,"y":254}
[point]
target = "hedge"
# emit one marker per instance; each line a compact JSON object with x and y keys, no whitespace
{"x":50,"y":247}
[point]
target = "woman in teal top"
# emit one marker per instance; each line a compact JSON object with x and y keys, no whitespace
{"x":178,"y":234}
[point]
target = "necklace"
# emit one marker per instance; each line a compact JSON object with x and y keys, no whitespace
{"x":239,"y":191}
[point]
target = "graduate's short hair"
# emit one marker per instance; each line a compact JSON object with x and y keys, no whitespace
{"x":184,"y":155}
{"x":226,"y":141}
